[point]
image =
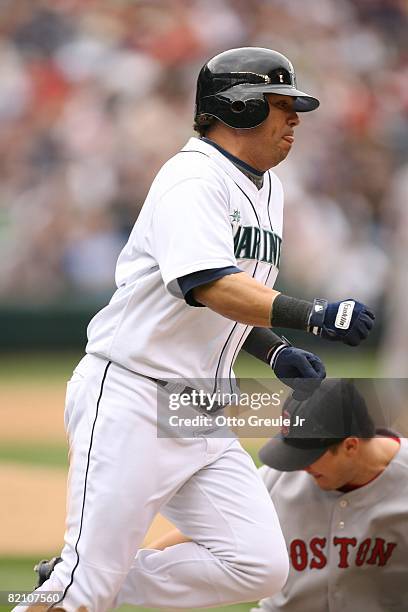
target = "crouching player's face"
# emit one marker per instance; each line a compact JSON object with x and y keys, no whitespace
{"x":337,"y":467}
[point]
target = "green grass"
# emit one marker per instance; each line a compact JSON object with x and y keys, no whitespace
{"x":16,"y":574}
{"x":36,"y":454}
{"x":53,"y":456}
{"x":37,"y":368}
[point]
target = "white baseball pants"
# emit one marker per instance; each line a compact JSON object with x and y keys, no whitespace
{"x":121,"y":475}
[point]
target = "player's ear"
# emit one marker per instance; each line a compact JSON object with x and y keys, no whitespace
{"x":351,"y":445}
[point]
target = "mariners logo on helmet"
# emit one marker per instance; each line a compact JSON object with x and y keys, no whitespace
{"x":232,"y":85}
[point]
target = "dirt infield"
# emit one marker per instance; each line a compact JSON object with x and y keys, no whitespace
{"x":34,"y":414}
{"x":32,"y":511}
{"x":32,"y":519}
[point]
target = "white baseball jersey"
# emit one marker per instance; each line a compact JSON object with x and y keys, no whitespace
{"x":201,"y":213}
{"x":348,"y":551}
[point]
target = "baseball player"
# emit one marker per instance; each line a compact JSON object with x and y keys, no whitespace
{"x":342,"y":502}
{"x":194,"y":286}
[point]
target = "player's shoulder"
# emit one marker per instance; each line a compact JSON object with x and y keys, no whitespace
{"x":277,"y":481}
{"x":192,"y":164}
{"x":270,"y":476}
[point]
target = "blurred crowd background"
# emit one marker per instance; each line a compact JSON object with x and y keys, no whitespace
{"x":97,"y":94}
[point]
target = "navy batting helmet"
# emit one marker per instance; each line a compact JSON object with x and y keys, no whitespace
{"x":231,"y":86}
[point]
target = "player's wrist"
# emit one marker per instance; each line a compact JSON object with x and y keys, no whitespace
{"x":291,"y":313}
{"x":262,"y":343}
{"x":275,"y":351}
{"x":299,"y":314}
{"x":317,"y":316}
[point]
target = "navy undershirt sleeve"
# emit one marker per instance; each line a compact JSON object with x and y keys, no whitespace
{"x":190,"y":281}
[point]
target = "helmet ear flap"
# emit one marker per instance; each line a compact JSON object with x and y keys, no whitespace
{"x":252,"y":111}
{"x":239,"y":109}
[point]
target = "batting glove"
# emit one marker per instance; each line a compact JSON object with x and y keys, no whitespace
{"x":298,"y":369}
{"x":348,"y":321}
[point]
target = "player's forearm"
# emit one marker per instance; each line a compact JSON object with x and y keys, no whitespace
{"x":239,"y":297}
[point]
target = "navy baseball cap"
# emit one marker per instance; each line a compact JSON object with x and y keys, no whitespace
{"x":334,"y":412}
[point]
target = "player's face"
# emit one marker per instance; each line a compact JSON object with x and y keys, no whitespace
{"x":333,"y":470}
{"x":275,"y":136}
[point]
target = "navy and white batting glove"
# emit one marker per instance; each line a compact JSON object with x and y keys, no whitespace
{"x":298,"y":369}
{"x":348,"y":321}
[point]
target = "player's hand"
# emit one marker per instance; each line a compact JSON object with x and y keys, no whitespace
{"x":298,"y":369}
{"x":347,"y":321}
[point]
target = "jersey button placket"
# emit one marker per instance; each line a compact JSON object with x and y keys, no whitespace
{"x":343,"y":503}
{"x":338,"y":524}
